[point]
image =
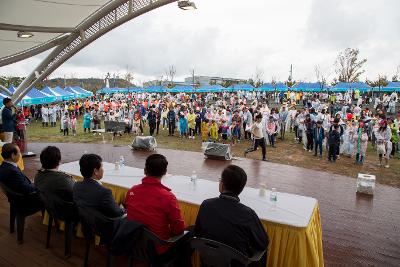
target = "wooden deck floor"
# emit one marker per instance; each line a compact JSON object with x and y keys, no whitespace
{"x":357,"y":230}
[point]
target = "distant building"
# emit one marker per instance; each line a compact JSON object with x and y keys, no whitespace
{"x":207,"y":80}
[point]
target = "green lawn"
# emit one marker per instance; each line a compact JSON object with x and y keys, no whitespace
{"x":287,"y":151}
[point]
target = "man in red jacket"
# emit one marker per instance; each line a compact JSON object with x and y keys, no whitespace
{"x":152,"y":204}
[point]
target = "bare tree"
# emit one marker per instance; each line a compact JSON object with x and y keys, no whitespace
{"x":381,"y":81}
{"x":349,"y":66}
{"x":258,"y":77}
{"x":128,"y":76}
{"x":321,"y":78}
{"x":396,"y":76}
{"x":170,"y":74}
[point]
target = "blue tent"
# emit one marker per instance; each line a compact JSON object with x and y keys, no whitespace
{"x":241,"y":87}
{"x":58,"y":93}
{"x":211,"y":89}
{"x":155,"y":89}
{"x":78,"y":92}
{"x":268,"y":87}
{"x":35,"y":97}
{"x":135,"y":89}
{"x":113,"y":90}
{"x":344,"y":87}
{"x":390,"y":87}
{"x":181,"y":89}
{"x":309,"y":87}
{"x":65,"y":95}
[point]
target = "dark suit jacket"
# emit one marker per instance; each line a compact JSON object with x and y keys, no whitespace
{"x":89,"y":193}
{"x":55,"y":182}
{"x":14,"y":179}
{"x":226,"y":220}
{"x":8,"y":120}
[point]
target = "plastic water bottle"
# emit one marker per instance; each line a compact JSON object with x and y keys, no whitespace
{"x":122,"y":161}
{"x":193,"y":178}
{"x":273,"y":198}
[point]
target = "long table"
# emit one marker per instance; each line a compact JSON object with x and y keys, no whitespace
{"x":293,"y":224}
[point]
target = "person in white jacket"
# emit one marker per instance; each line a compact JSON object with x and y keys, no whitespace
{"x":258,"y":137}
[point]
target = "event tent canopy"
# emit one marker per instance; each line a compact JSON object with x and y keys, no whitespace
{"x":78,"y":92}
{"x":182,"y":89}
{"x":390,"y":87}
{"x":344,"y":87}
{"x":241,"y":87}
{"x":155,"y":89}
{"x":211,"y":89}
{"x":269,"y":87}
{"x":309,"y":87}
{"x":58,"y":93}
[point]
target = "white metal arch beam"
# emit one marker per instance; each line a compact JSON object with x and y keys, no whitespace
{"x":101,"y":22}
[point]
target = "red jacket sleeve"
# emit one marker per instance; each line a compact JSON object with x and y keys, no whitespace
{"x":176,"y":222}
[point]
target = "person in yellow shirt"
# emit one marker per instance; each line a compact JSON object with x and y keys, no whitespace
{"x":191,"y":123}
{"x":214,"y":131}
{"x":204,"y":130}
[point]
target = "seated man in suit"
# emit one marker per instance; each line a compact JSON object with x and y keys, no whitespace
{"x":152,"y":204}
{"x":226,"y":220}
{"x":49,"y":179}
{"x":12,"y":177}
{"x":90,"y":193}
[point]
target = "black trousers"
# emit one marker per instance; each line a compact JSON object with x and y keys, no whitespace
{"x":171,"y":128}
{"x":332,"y":152}
{"x":158,"y":126}
{"x":310,"y":141}
{"x":258,"y":142}
{"x":197,"y":128}
{"x":152,"y":127}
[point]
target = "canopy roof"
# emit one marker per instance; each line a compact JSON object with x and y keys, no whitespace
{"x":309,"y":87}
{"x":241,"y":87}
{"x":391,"y":86}
{"x":181,"y":89}
{"x":51,"y":19}
{"x":269,"y":87}
{"x":343,"y":87}
{"x":78,"y":92}
{"x":211,"y":89}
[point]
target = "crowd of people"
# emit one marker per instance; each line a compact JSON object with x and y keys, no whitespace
{"x":150,"y":203}
{"x":340,"y":123}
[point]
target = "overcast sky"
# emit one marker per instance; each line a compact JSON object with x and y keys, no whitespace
{"x":231,"y":38}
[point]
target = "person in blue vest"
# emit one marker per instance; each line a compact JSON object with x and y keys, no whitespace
{"x":86,"y":121}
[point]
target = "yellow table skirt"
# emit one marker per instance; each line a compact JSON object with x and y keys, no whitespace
{"x":20,"y":163}
{"x":289,"y":245}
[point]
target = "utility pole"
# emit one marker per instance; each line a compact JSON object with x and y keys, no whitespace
{"x":193,"y":78}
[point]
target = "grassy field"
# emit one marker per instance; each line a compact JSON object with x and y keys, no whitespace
{"x":287,"y":152}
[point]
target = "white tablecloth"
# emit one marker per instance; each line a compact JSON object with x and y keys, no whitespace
{"x":293,"y":210}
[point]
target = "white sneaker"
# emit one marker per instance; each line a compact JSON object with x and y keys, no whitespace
{"x":386,"y":166}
